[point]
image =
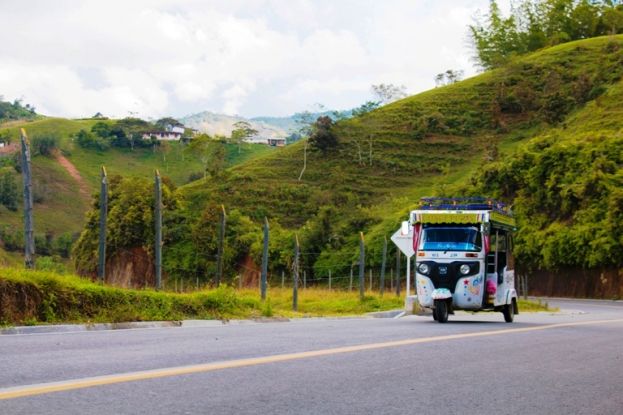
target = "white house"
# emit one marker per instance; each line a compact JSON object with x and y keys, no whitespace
{"x":163,"y":135}
{"x":270,"y":141}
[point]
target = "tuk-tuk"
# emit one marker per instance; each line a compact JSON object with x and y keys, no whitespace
{"x":464,"y":259}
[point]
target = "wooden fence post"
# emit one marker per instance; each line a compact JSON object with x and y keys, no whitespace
{"x":383,"y":263}
{"x":158,"y":228}
{"x":101,"y":269}
{"x":264,"y":277}
{"x":295,"y":282}
{"x":29,"y":233}
{"x":362,"y":260}
{"x":221,"y":248}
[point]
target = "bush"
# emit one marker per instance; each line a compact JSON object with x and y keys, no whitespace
{"x":12,"y":239}
{"x":51,"y":264}
{"x":44,"y":145}
{"x":86,"y":139}
{"x":8,"y":191}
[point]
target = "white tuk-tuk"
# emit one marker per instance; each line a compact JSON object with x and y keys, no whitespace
{"x":464,"y":260}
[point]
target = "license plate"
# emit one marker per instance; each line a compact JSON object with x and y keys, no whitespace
{"x":443,"y":270}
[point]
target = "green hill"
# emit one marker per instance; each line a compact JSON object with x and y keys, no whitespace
{"x":435,"y":143}
{"x":65,"y":181}
{"x":542,"y":132}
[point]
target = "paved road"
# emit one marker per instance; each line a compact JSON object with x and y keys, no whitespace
{"x":565,"y":363}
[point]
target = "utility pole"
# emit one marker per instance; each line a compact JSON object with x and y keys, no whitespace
{"x":29,"y":233}
{"x":101,"y":268}
{"x":221,"y":248}
{"x":362,"y":259}
{"x":158,"y":226}
{"x":264,"y":277}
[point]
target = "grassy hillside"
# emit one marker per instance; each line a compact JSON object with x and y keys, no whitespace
{"x":501,"y":133}
{"x":566,"y":185}
{"x":437,"y":142}
{"x":64,"y":199}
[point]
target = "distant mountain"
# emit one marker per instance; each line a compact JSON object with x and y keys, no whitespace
{"x":221,"y":124}
{"x":268,"y":127}
{"x":288,"y":124}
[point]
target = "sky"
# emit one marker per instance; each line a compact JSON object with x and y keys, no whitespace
{"x":156,"y":58}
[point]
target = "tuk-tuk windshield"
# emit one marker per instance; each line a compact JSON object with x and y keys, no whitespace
{"x":451,"y":238}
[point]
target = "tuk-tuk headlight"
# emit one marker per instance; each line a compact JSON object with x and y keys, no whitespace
{"x":423,"y":268}
{"x":465,"y":269}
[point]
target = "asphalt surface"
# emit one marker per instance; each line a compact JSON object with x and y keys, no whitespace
{"x":564,"y":363}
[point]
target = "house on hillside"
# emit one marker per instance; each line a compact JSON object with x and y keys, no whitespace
{"x":176,"y":129}
{"x":277,"y":142}
{"x":270,"y":141}
{"x":163,"y":135}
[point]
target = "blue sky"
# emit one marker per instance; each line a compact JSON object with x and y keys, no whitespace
{"x":153,"y":58}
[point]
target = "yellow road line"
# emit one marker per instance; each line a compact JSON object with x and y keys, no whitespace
{"x":44,"y":388}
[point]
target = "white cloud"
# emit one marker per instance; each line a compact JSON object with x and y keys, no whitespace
{"x":266,"y":57}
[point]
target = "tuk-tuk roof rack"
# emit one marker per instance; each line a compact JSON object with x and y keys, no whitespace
{"x":464,"y":203}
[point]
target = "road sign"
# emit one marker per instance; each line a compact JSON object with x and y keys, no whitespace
{"x":404,"y":242}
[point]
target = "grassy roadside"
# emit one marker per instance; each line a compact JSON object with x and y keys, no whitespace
{"x":37,"y":297}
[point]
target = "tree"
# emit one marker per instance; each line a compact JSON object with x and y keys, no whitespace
{"x":387,"y":93}
{"x":210,"y":152}
{"x":534,"y":24}
{"x":496,"y":39}
{"x":242,"y":131}
{"x":322,"y":136}
{"x":448,"y":77}
{"x":130,"y":221}
{"x":216,"y":157}
{"x":86,"y":139}
{"x":366,"y":108}
{"x":5,"y":137}
{"x":8,"y":191}
{"x":613,"y":19}
{"x":167,"y":122}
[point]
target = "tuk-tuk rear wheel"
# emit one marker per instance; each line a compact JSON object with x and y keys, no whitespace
{"x":435,"y":314}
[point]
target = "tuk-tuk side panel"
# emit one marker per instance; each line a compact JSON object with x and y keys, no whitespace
{"x":506,"y":291}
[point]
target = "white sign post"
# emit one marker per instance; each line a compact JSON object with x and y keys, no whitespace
{"x":404,"y":242}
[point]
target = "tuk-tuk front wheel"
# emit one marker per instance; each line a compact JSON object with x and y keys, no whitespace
{"x":441,"y":310}
{"x":509,"y":311}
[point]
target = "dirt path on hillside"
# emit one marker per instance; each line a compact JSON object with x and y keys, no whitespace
{"x":9,"y":149}
{"x":73,"y":172}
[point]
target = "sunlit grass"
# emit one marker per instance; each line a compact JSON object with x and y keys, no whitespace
{"x":37,"y":297}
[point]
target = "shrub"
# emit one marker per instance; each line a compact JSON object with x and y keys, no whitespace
{"x":44,"y":144}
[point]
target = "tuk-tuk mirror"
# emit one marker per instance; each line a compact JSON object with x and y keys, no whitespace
{"x":404,"y":229}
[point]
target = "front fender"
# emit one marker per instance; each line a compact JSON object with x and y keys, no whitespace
{"x":510,"y":294}
{"x":441,"y":294}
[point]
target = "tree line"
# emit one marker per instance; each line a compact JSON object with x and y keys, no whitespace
{"x":535,"y":24}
